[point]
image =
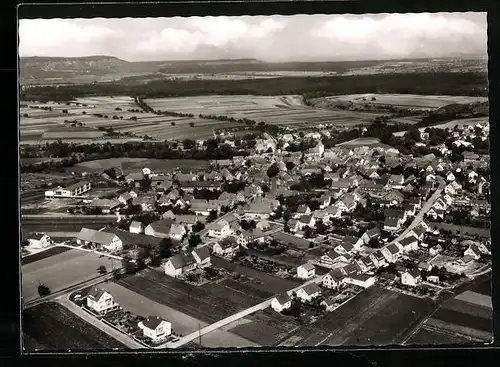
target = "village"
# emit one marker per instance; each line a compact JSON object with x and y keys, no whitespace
{"x":334,"y":221}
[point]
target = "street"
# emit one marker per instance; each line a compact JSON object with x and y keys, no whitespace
{"x":46,"y":223}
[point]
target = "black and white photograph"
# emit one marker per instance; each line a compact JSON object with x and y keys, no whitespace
{"x":254,"y":181}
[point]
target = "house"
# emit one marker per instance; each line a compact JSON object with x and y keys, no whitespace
{"x":331,"y":257}
{"x":351,"y":269}
{"x":325,"y":201}
{"x":260,"y":209}
{"x":409,"y":243}
{"x":321,"y":216}
{"x":370,"y":234}
{"x":434,"y":250}
{"x":308,"y":292}
{"x":328,"y":304}
{"x":136,"y":227}
{"x":302,"y":210}
{"x":450,"y":189}
{"x":360,"y":280}
{"x":365,"y":263}
{"x":100,"y":239}
{"x":306,"y":271}
{"x":155,"y":328}
{"x":391,"y":252}
{"x":417,"y":201}
{"x":378,"y":259}
{"x":347,"y":204}
{"x":39,"y":240}
{"x":334,"y":211}
{"x":202,"y":256}
{"x":227,"y":247}
{"x":411,"y":277}
{"x":281,"y":302}
{"x":146,"y":202}
{"x":179,"y":264}
{"x":435,"y":213}
{"x":125,"y":198}
{"x":220,"y":229}
{"x":466,"y":260}
{"x":473,"y":251}
{"x":76,"y":189}
{"x":439,"y":204}
{"x":204,"y":207}
{"x":388,"y":277}
{"x":450,"y":177}
{"x":394,"y":197}
{"x":356,"y":242}
{"x":424,"y":266}
{"x":100,"y":301}
{"x":344,"y":248}
{"x":306,"y":221}
{"x":391,"y":224}
{"x":168,"y":215}
{"x":433,"y":278}
{"x":333,"y":279}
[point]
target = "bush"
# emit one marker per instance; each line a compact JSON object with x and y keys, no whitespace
{"x":43,"y":290}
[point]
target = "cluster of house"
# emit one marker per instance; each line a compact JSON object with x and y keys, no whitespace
{"x":72,"y":191}
{"x":101,"y":302}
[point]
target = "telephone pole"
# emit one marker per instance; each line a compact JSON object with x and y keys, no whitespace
{"x":199,"y":334}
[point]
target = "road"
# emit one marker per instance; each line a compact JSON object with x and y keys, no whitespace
{"x":121,"y":337}
{"x":48,"y":223}
{"x":425,"y":208}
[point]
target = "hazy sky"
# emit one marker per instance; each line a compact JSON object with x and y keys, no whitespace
{"x":269,"y":38}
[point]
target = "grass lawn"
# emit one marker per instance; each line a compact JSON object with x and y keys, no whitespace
{"x":430,"y":337}
{"x":52,"y":327}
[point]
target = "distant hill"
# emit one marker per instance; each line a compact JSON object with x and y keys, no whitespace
{"x":102,"y":68}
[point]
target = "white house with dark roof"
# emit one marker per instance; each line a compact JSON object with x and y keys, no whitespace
{"x":360,"y":280}
{"x":202,"y":256}
{"x":356,"y":242}
{"x":378,"y":259}
{"x":306,"y":271}
{"x":391,"y":252}
{"x":333,"y":279}
{"x":155,"y":328}
{"x":180,"y":264}
{"x":344,"y":248}
{"x":473,"y":251}
{"x":281,"y":302}
{"x":409,"y":243}
{"x":411,"y":277}
{"x":370,"y":234}
{"x":39,"y":240}
{"x":100,"y":301}
{"x":136,"y":227}
{"x":308,"y":292}
{"x":226,"y":247}
{"x":100,"y":239}
{"x":220,"y":229}
{"x":332,"y":257}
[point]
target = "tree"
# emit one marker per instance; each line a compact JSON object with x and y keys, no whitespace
{"x":198,"y":226}
{"x":290,"y":165}
{"x":273,"y":170}
{"x":172,"y":123}
{"x":194,"y":240}
{"x":212,"y":215}
{"x":101,"y":269}
{"x":188,"y":143}
{"x":117,"y":274}
{"x":191,"y":124}
{"x":128,"y":265}
{"x":164,"y":248}
{"x":43,"y":290}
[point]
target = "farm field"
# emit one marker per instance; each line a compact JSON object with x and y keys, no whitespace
{"x":266,"y":327}
{"x":483,"y":232}
{"x":39,"y":125}
{"x":425,"y":336}
{"x":371,"y":142}
{"x":128,"y":165}
{"x":267,"y":283}
{"x":208,"y":303}
{"x":51,"y":326}
{"x":374,"y":317}
{"x":402,"y":100}
{"x":288,"y":110}
{"x":44,"y":254}
{"x":467,"y":316}
{"x":181,"y":323}
{"x":61,"y":271}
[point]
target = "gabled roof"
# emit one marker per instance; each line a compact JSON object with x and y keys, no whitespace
{"x":162,"y":226}
{"x":181,"y":261}
{"x":307,"y":266}
{"x":351,"y":239}
{"x":347,"y":246}
{"x":152,"y":322}
{"x":283,"y":298}
{"x":414,"y":272}
{"x":336,"y":275}
{"x":393,"y":249}
{"x":311,"y":288}
{"x":202,"y":252}
{"x":95,"y":293}
{"x":135,"y":224}
{"x":373,"y":233}
{"x":36,"y":236}
{"x":86,"y":234}
{"x":408,"y":240}
{"x":306,"y":218}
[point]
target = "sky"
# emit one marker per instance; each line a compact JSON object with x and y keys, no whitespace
{"x":267,"y":38}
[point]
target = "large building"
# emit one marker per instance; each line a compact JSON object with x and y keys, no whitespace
{"x":76,"y":189}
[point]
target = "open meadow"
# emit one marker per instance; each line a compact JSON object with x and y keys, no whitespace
{"x":61,"y":271}
{"x":51,"y":326}
{"x":451,"y":124}
{"x":424,"y":102}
